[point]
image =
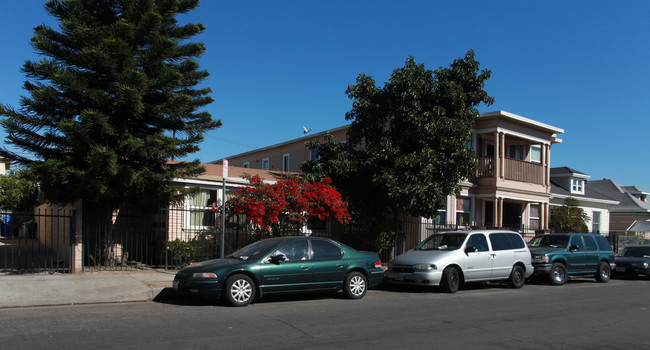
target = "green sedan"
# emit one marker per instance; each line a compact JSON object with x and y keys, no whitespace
{"x":282,"y":265}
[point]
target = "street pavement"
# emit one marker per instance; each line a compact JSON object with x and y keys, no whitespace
{"x":83,"y":288}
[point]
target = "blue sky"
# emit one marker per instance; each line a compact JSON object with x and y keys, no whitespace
{"x":275,"y":66}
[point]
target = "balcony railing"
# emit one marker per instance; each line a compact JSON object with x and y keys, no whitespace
{"x":514,"y":169}
{"x":485,"y":167}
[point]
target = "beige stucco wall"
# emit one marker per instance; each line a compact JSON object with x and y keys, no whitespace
{"x":297,"y":150}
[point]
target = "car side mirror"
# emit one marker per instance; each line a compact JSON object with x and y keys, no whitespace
{"x":470,"y":250}
{"x":573,"y":248}
{"x":276,"y":259}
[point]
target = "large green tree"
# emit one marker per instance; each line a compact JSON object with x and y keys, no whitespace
{"x":114,"y":96}
{"x":408,"y":145}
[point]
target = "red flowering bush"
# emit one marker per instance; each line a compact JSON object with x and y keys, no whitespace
{"x":289,"y":201}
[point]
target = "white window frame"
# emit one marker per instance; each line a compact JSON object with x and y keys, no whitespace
{"x":286,"y":162}
{"x":246,"y":165}
{"x":539,"y":148}
{"x":195,"y":209}
{"x":578,"y":186}
{"x":595,"y":224}
{"x":465,"y":210}
{"x":531,"y":217}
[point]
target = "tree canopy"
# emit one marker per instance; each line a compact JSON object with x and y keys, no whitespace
{"x":569,"y":217}
{"x":409,"y":142}
{"x":114,"y":96}
{"x":16,"y":191}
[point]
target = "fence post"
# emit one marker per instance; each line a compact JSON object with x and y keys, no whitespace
{"x":76,"y":243}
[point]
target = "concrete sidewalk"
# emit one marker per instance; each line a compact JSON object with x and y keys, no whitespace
{"x":83,"y":288}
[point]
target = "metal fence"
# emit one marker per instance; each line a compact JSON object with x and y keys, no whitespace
{"x":36,"y":242}
{"x":169,"y":238}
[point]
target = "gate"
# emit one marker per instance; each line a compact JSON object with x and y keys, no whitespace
{"x":36,"y":242}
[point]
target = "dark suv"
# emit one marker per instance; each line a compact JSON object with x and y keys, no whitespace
{"x":560,"y":255}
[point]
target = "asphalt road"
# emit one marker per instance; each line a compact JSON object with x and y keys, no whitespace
{"x":582,"y":314}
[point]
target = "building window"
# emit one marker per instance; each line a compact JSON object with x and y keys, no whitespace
{"x":198,"y":214}
{"x":578,"y":186}
{"x":265,"y":164}
{"x":533,"y":216}
{"x":535,"y":154}
{"x":462,"y":211}
{"x":516,"y":152}
{"x":247,"y":164}
{"x":313,"y":155}
{"x":595,"y":222}
{"x":285,"y":162}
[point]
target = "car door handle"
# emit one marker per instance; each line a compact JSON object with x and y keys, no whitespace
{"x":339,"y":266}
{"x":304,"y":267}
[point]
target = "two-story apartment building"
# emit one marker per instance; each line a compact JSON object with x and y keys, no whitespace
{"x":511,"y":187}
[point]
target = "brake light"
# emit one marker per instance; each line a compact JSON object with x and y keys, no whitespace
{"x":378,"y":263}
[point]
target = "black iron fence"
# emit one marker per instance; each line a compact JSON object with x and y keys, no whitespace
{"x":170,"y":238}
{"x":36,"y":242}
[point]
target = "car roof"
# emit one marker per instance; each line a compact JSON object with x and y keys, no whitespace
{"x":481,"y":231}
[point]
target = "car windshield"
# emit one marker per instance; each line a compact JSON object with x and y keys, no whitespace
{"x":443,"y":241}
{"x":637,"y":252}
{"x":255,"y":250}
{"x":549,"y":241}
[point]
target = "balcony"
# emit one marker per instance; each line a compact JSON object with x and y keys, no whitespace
{"x":514,"y":169}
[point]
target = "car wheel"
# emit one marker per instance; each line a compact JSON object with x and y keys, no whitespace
{"x":239,"y":290}
{"x":450,"y":280}
{"x":604,"y":272}
{"x":355,"y":285}
{"x":557,"y":276}
{"x":517,"y":277}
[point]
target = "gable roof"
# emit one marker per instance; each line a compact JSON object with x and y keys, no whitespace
{"x":611,"y":189}
{"x":589,"y":196}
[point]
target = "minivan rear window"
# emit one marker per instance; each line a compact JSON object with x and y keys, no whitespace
{"x":506,"y":241}
{"x":500,"y":241}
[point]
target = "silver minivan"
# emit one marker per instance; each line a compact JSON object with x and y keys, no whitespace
{"x":450,"y":259}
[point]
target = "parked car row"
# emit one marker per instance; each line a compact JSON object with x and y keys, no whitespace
{"x":447,"y":260}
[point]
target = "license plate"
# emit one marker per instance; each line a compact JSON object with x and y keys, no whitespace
{"x":620,"y":269}
{"x":399,"y":277}
{"x":176,"y":285}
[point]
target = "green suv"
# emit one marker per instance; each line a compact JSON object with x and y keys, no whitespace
{"x":560,"y":255}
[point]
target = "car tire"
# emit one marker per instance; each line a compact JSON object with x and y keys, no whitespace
{"x":558,"y":274}
{"x":239,"y":290}
{"x":517,"y":277}
{"x":355,"y":285}
{"x":450,"y":280}
{"x":604,"y":272}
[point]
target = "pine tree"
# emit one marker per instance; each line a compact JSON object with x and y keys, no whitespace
{"x":114,"y":97}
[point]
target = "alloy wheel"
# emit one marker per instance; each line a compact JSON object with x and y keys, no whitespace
{"x":357,"y":285}
{"x":241,"y":290}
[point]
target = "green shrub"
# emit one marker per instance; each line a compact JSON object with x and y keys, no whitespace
{"x":181,"y":252}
